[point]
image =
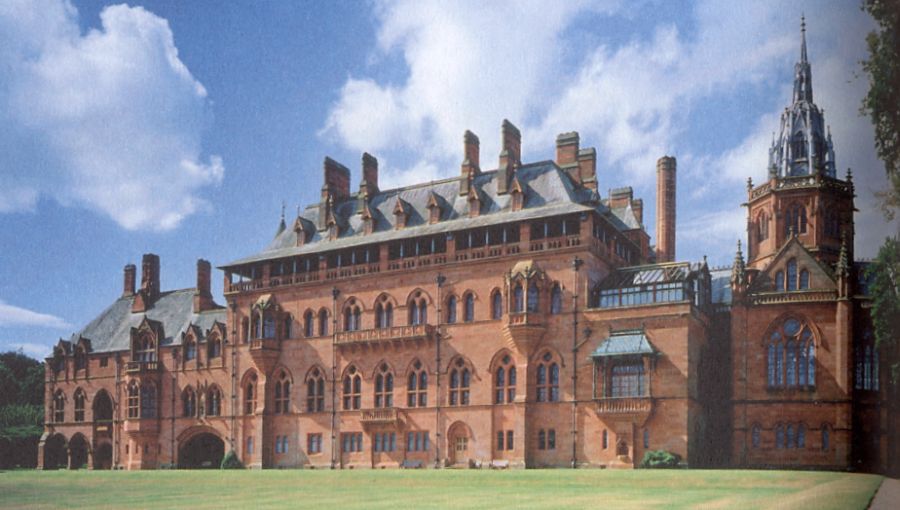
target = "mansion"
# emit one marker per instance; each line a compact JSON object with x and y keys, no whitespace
{"x":508,"y":316}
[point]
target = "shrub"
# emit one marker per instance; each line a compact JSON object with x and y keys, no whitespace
{"x":660,"y":459}
{"x":231,"y":461}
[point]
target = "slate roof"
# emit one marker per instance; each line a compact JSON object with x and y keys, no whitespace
{"x":547,"y":190}
{"x":111,"y":330}
{"x":623,"y":343}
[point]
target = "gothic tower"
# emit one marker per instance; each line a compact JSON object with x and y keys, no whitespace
{"x":802,"y":196}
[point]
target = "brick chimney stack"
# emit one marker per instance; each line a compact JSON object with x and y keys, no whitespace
{"x":471,"y":161}
{"x":130,"y":277}
{"x":203,"y":294}
{"x":337,"y":179}
{"x":510,"y":155}
{"x":665,"y":209}
{"x":369,"y":174}
{"x":150,"y":276}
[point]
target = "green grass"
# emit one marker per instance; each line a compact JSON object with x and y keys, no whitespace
{"x":415,"y":489}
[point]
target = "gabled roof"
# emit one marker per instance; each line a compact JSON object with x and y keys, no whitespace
{"x":624,"y":343}
{"x":547,"y":190}
{"x":174,"y":310}
{"x":793,"y":247}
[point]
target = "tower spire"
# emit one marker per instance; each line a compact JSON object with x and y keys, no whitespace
{"x":802,"y":72}
{"x":802,"y":39}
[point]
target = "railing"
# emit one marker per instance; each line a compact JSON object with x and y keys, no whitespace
{"x":385,"y":415}
{"x":385,"y":334}
{"x":141,"y":425}
{"x":622,"y":405}
{"x":133,"y":367}
{"x":263,"y":344}
{"x":769,"y":298}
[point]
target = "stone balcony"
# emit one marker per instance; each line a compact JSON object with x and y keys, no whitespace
{"x":636,"y":409}
{"x":383,"y":416}
{"x":141,"y":426}
{"x":524,"y":330}
{"x":142,"y":367}
{"x":385,"y":335}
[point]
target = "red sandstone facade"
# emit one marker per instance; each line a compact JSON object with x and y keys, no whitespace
{"x":509,"y":317}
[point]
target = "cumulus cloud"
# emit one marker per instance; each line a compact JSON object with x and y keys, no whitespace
{"x":11,"y":315}
{"x":634,"y":97}
{"x":113,"y":116}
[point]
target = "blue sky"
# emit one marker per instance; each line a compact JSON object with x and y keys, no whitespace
{"x":180,"y":127}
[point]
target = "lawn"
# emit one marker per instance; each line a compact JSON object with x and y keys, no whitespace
{"x":415,"y":489}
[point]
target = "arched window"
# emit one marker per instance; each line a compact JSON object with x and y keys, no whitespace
{"x":518,"y":299}
{"x":556,"y":300}
{"x":384,"y":387}
{"x":352,"y":389}
{"x":762,"y":227}
{"x":288,"y":327}
{"x":804,"y":280}
{"x":188,"y":403}
{"x":469,"y":314}
{"x":779,"y":281}
{"x":547,"y":379}
{"x":866,"y":363}
{"x":133,"y":403}
{"x":533,"y":298}
{"x":505,"y":381}
{"x":754,"y":436}
{"x":250,"y":388}
{"x":779,"y":436}
{"x":190,"y":349}
{"x":417,"y":386}
{"x":283,"y":393}
{"x":795,"y":220}
{"x":80,"y":359}
{"x":605,"y":439}
{"x":789,"y":437}
{"x":460,"y":379}
{"x":213,"y":401}
{"x":213,"y":346}
{"x":148,"y":400}
{"x":792,"y":274}
{"x":791,"y":356}
{"x":79,"y":405}
{"x":799,"y":146}
{"x":418,"y":310}
{"x":826,"y":436}
{"x":384,"y":313}
{"x":315,"y":392}
{"x":496,"y":305}
{"x":144,"y":349}
{"x":309,"y":326}
{"x":451,"y":310}
{"x":268,"y":324}
{"x":323,"y":322}
{"x":801,"y":436}
{"x":352,"y":316}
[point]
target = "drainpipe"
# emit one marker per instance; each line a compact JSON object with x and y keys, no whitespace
{"x":234,"y":344}
{"x":576,"y":265}
{"x":334,"y":295}
{"x":437,"y":401}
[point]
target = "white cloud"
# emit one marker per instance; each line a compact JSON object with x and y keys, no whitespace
{"x":117,"y":112}
{"x":36,"y":351}
{"x":15,"y":316}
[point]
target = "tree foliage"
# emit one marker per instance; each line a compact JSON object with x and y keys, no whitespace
{"x":884,"y":286}
{"x":882,"y":102}
{"x":660,"y":459}
{"x":21,"y":409}
{"x":231,"y":461}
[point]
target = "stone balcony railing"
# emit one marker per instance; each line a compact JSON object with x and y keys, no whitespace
{"x":797,"y":296}
{"x":525,"y":319}
{"x":141,"y":367}
{"x":419,"y":331}
{"x":624,"y":405}
{"x":141,"y":425}
{"x":383,"y":416}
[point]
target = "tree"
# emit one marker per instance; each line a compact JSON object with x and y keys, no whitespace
{"x":884,"y":277}
{"x":882,"y":102}
{"x":21,"y":409}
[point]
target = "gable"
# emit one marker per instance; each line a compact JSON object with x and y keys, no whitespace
{"x":820,"y":277}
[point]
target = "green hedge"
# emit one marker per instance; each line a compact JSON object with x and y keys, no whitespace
{"x":660,"y":459}
{"x":231,"y":461}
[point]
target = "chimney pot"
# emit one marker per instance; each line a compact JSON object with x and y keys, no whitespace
{"x":130,"y":275}
{"x":370,"y":173}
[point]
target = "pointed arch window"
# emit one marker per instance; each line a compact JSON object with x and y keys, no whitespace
{"x":755,"y":436}
{"x":795,"y":220}
{"x":80,"y":359}
{"x":826,"y":436}
{"x":214,"y":401}
{"x":451,"y":310}
{"x":323,"y":322}
{"x":791,"y":356}
{"x":791,"y":275}
{"x":518,"y":299}
{"x":145,"y":349}
{"x":803,"y":283}
{"x":460,"y":380}
{"x":352,"y":389}
{"x":417,"y":386}
{"x":556,"y":300}
{"x":547,"y":379}
{"x":496,"y":305}
{"x":352,"y":316}
{"x":79,"y":405}
{"x":287,"y":327}
{"x":384,"y":313}
{"x":190,"y":349}
{"x":418,"y":310}
{"x":779,"y":281}
{"x":315,"y":392}
{"x":250,"y":390}
{"x":268,"y":324}
{"x":384,"y":387}
{"x":309,"y":326}
{"x":866,"y":363}
{"x":214,"y":347}
{"x":533,"y":297}
{"x":799,"y":149}
{"x":148,"y":400}
{"x":762,"y":227}
{"x":188,"y":403}
{"x":505,"y":381}
{"x":283,"y":393}
{"x":469,"y":311}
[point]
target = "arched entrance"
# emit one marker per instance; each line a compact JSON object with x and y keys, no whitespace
{"x":461,"y":444}
{"x":201,"y":451}
{"x":55,"y":455}
{"x":78,"y":452}
{"x":103,"y":418}
{"x":103,"y":407}
{"x":103,"y":456}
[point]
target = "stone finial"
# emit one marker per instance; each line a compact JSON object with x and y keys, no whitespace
{"x":738,"y":270}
